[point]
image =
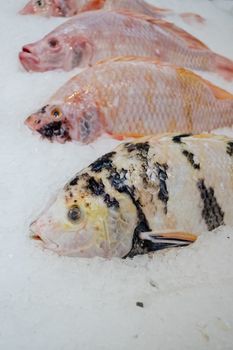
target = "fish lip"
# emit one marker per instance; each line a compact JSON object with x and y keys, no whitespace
{"x":27,"y":123}
{"x":46,"y":243}
{"x":28,"y":60}
{"x":36,"y":237}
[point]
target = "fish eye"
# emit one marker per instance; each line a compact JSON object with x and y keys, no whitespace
{"x":74,"y":213}
{"x":56,"y":113}
{"x":53,"y":42}
{"x":40,"y":3}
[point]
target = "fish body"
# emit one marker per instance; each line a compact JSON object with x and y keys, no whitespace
{"x":68,"y":8}
{"x":131,"y":97}
{"x":96,"y":35}
{"x":146,"y":195}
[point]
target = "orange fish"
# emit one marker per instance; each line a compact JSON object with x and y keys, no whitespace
{"x":93,"y":36}
{"x":131,"y":96}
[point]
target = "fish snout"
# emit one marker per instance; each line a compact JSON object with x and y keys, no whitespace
{"x":28,"y":9}
{"x":28,"y":58}
{"x":33,"y":122}
{"x":34,"y":234}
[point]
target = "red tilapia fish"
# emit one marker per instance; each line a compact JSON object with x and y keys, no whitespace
{"x":93,"y":36}
{"x":129,"y":97}
{"x":146,"y":195}
{"x":66,"y":8}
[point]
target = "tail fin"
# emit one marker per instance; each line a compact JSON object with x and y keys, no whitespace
{"x":223,"y":66}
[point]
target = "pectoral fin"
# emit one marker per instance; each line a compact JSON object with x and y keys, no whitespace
{"x":168,"y":238}
{"x":121,"y":137}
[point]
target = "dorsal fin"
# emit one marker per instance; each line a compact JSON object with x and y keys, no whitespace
{"x":190,"y":40}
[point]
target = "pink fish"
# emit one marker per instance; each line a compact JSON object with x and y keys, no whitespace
{"x":130,"y":96}
{"x":96,"y":35}
{"x":66,"y":8}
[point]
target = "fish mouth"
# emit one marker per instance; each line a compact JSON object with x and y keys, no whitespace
{"x":36,"y":237}
{"x":28,"y":60}
{"x":46,"y":243}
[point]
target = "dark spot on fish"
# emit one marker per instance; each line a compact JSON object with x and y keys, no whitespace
{"x":139,"y":246}
{"x":77,"y":57}
{"x":212,"y":212}
{"x":141,"y":150}
{"x":104,"y":162}
{"x":140,"y":147}
{"x":71,"y":195}
{"x":230,"y":148}
{"x":88,"y":116}
{"x":140,"y":304}
{"x":163,"y":194}
{"x":74,"y":181}
{"x":190,"y":157}
{"x":96,"y":187}
{"x":85,"y":127}
{"x":43,"y":109}
{"x":177,"y":138}
{"x":117,"y":179}
{"x":54,"y":129}
{"x":111,"y":202}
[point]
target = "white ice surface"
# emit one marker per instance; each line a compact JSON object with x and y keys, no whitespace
{"x":50,"y":302}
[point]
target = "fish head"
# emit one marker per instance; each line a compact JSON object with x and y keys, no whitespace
{"x":51,"y":123}
{"x":86,"y":221}
{"x":57,"y":8}
{"x":57,"y":51}
{"x":67,"y":121}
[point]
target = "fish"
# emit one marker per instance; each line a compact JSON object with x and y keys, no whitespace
{"x":88,"y":38}
{"x":69,"y":8}
{"x":157,"y":192}
{"x":132,"y":97}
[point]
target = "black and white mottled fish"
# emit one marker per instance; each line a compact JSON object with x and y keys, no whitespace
{"x":149,"y":194}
